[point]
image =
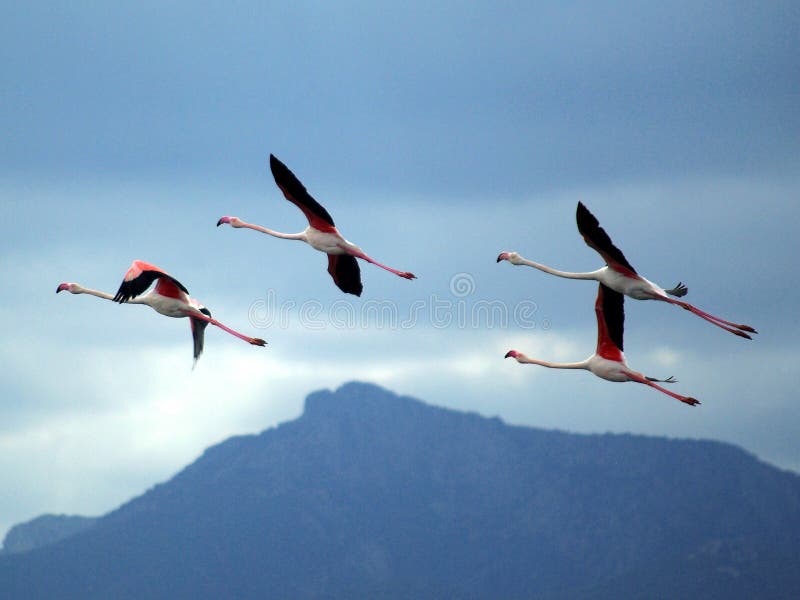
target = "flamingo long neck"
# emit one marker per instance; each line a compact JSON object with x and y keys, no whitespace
{"x":584,"y":364}
{"x":567,"y":274}
{"x":277,"y":234}
{"x":105,"y":296}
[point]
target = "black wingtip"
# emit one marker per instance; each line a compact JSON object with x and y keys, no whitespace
{"x":584,"y":215}
{"x":350,"y":288}
{"x":277,"y":168}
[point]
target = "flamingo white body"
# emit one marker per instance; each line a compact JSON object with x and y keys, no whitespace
{"x":620,"y":276}
{"x":329,"y":242}
{"x":611,"y":370}
{"x":608,"y":361}
{"x":168,"y":297}
{"x":321,"y":233}
{"x":169,"y":307}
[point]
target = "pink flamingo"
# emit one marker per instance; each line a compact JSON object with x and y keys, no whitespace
{"x":321,"y":234}
{"x":169,"y":297}
{"x":608,"y":361}
{"x":620,"y":276}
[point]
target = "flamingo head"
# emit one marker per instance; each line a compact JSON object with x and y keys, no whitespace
{"x":512,"y":354}
{"x":232,"y":221}
{"x":511,"y":257}
{"x":72,"y":288}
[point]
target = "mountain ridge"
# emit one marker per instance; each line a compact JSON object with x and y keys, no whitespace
{"x":43,"y":531}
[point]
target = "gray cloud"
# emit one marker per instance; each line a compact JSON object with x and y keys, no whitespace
{"x":416,"y":98}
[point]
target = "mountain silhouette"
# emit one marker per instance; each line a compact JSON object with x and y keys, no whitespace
{"x":369,"y":494}
{"x":43,"y":531}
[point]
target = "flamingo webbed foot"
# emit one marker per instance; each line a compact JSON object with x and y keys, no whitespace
{"x":691,"y":401}
{"x":679,"y":291}
{"x":257,"y":342}
{"x":670,"y":379}
{"x":407,"y":275}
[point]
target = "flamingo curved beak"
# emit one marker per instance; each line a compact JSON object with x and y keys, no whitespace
{"x":502,"y":256}
{"x":224,"y":220}
{"x":511,"y":354}
{"x":61,"y":287}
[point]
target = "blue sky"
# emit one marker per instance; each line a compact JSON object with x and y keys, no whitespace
{"x":437,"y":136}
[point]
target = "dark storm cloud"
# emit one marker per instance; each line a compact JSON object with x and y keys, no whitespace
{"x":448,"y":97}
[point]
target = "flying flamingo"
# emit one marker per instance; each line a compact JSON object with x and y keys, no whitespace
{"x":321,"y":234}
{"x":169,"y":297}
{"x":608,"y":361}
{"x":620,"y":276}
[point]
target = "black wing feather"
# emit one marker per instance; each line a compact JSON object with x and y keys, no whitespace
{"x":346,"y":273}
{"x":198,"y":332}
{"x":597,"y":238}
{"x":135,"y":287}
{"x":296,"y":192}
{"x":613,"y":306}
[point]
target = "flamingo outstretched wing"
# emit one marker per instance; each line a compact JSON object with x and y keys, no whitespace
{"x":597,"y":238}
{"x":610,"y":310}
{"x":296,"y":193}
{"x":141,"y":275}
{"x":199,"y":331}
{"x":346,"y":273}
